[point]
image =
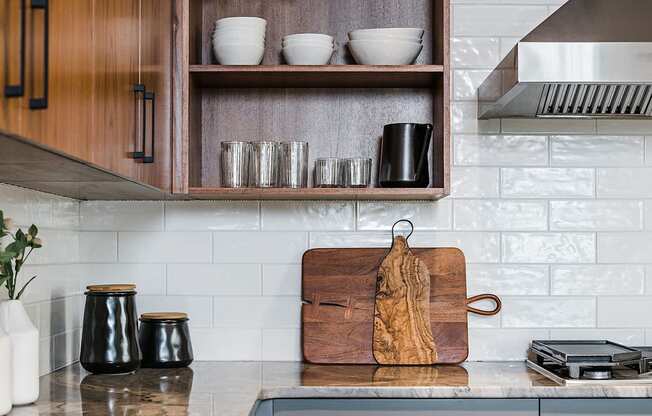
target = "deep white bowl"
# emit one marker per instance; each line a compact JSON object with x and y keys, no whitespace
{"x":373,"y":36}
{"x":307,"y":54}
{"x":406,"y":32}
{"x":307,"y":42}
{"x":239,"y":53}
{"x":309,"y":36}
{"x":240,"y":21}
{"x":238,"y":38}
{"x":240,"y":31}
{"x":384,"y":52}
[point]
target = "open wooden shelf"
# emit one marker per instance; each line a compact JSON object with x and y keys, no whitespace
{"x":316,"y":76}
{"x":318,"y":193}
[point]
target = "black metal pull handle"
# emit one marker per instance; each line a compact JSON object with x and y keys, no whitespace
{"x":18,"y":90}
{"x":140,"y":141}
{"x":40,"y":103}
{"x":150,"y":96}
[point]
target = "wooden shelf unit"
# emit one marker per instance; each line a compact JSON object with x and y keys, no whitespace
{"x":340,"y":109}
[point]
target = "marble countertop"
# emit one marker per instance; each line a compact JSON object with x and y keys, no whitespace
{"x":232,"y":388}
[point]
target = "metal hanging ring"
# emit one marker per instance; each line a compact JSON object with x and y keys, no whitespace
{"x":411,"y":228}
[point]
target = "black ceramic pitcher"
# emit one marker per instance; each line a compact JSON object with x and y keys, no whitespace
{"x":109,"y":334}
{"x":404,"y":156}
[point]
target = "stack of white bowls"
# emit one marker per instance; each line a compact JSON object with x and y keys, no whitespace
{"x":308,"y":48}
{"x":387,"y":46}
{"x":239,"y":40}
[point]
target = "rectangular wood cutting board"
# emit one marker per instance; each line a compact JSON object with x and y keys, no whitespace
{"x":338,"y":290}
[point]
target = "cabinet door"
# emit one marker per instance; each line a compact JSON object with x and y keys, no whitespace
{"x":406,"y":407}
{"x":591,"y":407}
{"x":156,"y":76}
{"x":12,"y":21}
{"x":57,"y":108}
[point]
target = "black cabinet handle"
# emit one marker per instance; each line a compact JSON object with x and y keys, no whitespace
{"x":18,"y":90}
{"x":140,"y":154}
{"x":150,"y":96}
{"x":40,"y":103}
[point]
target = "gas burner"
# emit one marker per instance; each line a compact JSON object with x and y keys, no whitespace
{"x":590,"y":362}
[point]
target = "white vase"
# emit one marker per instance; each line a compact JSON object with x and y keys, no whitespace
{"x":25,"y":355}
{"x":5,"y":373}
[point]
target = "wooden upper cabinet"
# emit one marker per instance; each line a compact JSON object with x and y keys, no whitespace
{"x":12,"y":65}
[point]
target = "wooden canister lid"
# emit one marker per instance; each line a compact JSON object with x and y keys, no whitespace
{"x":164,"y":316}
{"x":111,"y":288}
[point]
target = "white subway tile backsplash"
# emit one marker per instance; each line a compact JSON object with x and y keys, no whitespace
{"x":307,"y":216}
{"x":480,"y":321}
{"x":148,"y":278}
{"x":502,"y":344}
{"x":622,"y":336}
{"x":121,"y":215}
{"x":548,"y":247}
{"x":495,"y":20}
{"x":467,"y":81}
{"x":596,"y":215}
{"x":98,"y":247}
{"x":170,"y":247}
{"x":547,"y":182}
{"x":211,"y":215}
{"x":28,"y":207}
{"x":424,"y":215}
{"x":478,"y":247}
{"x":52,"y":282}
{"x":464,"y":119}
{"x":257,"y":312}
{"x":282,"y":345}
{"x":281,"y":280}
{"x":624,"y":183}
{"x":475,"y":52}
{"x":259,"y":247}
{"x":59,"y":247}
{"x":547,"y":126}
{"x":624,"y":247}
{"x":214,"y":279}
{"x":474,"y":182}
{"x":227,"y":344}
{"x":476,"y":150}
{"x":648,"y":280}
{"x":624,"y":312}
{"x":549,"y":312}
{"x":624,"y":126}
{"x":648,"y":151}
{"x":197,"y":307}
{"x":497,"y":215}
{"x":353,"y":240}
{"x":597,"y":280}
{"x":59,"y":316}
{"x":596,"y":151}
{"x":506,"y":280}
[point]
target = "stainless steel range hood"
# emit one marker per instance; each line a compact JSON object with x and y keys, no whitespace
{"x":591,"y":58}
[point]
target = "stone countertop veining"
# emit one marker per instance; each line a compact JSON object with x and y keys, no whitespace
{"x":232,"y":388}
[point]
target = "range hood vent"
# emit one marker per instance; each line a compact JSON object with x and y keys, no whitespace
{"x":591,"y":58}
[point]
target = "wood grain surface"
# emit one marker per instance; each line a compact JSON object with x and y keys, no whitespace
{"x":402,"y":334}
{"x":338,"y":289}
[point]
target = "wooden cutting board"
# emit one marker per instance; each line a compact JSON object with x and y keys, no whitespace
{"x":338,"y":290}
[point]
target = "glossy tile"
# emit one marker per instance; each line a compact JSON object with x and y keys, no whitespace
{"x":257,"y":312}
{"x":648,"y":280}
{"x":281,"y":280}
{"x":211,"y":215}
{"x":624,"y":126}
{"x":214,"y":279}
{"x":98,"y":247}
{"x":506,"y":280}
{"x":60,"y":316}
{"x":621,"y":336}
{"x":464,"y":119}
{"x":502,"y":344}
{"x":599,"y":280}
{"x":624,"y":183}
{"x":547,"y":182}
{"x":500,"y":215}
{"x":478,"y":247}
{"x":467,"y":81}
{"x":307,"y":216}
{"x":259,"y":247}
{"x":168,"y":247}
{"x":548,"y":247}
{"x":282,"y":345}
{"x":598,"y":151}
{"x":474,"y":150}
{"x":26,"y":207}
{"x":624,"y":312}
{"x":424,"y":215}
{"x":475,"y":52}
{"x":596,"y":215}
{"x":496,"y":20}
{"x":52,"y":282}
{"x":549,"y":312}
{"x":198,"y":308}
{"x":474,"y":182}
{"x":648,"y":151}
{"x":226,"y":344}
{"x":625,"y":247}
{"x":346,"y":240}
{"x":547,"y":126}
{"x":121,"y":215}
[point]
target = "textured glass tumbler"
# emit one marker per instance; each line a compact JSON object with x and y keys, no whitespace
{"x":294,"y":164}
{"x":356,"y":172}
{"x":328,"y":173}
{"x":264,"y":165}
{"x":235,"y":164}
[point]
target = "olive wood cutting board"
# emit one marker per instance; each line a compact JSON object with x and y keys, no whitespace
{"x":338,"y":291}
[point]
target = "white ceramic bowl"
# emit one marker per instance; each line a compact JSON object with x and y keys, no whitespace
{"x":406,"y":32}
{"x":307,"y":42}
{"x":373,"y":36}
{"x":240,"y":31}
{"x":309,"y":36}
{"x":240,"y":21}
{"x":238,"y":38}
{"x":239,"y":53}
{"x":307,"y":54}
{"x":384,"y":52}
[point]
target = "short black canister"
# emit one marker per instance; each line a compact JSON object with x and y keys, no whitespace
{"x":110,"y":330}
{"x":165,"y":340}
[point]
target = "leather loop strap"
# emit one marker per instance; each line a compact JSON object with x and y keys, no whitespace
{"x":485,"y":296}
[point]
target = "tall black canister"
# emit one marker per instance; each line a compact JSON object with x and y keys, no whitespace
{"x":110,"y":330}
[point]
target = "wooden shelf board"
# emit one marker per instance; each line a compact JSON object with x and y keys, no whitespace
{"x":318,"y":193}
{"x":316,"y":76}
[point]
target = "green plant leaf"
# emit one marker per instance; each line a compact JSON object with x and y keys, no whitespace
{"x":20,"y":293}
{"x":33,"y":231}
{"x":20,"y":236}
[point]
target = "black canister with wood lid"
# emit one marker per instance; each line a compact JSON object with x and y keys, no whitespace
{"x":165,"y":340}
{"x":110,"y":330}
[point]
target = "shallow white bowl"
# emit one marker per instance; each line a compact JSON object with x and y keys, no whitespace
{"x":307,"y":54}
{"x":307,"y":42}
{"x":240,"y":21}
{"x":373,"y":36}
{"x":408,"y":32}
{"x":239,"y":53}
{"x":384,"y":52}
{"x":309,"y":36}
